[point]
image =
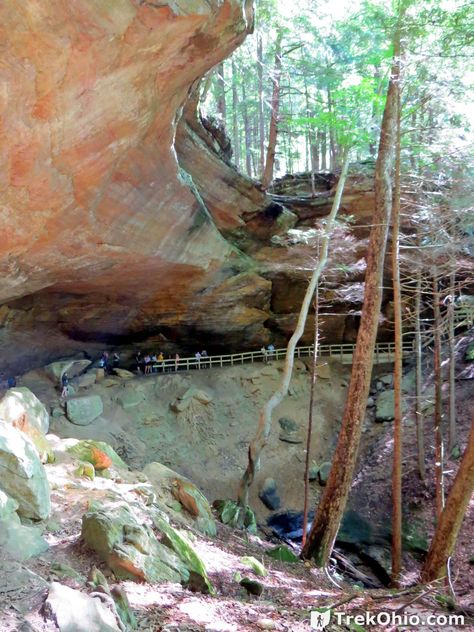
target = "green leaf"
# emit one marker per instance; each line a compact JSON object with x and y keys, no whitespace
{"x":284,"y":554}
{"x":257,"y":567}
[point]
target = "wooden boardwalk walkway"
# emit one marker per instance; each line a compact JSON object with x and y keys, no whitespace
{"x":384,"y":351}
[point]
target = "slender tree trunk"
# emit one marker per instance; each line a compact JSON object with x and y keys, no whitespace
{"x":272,"y":136}
{"x":324,"y":151}
{"x":247,"y":133}
{"x":438,"y":415}
{"x":332,"y":134}
{"x":449,"y":523}
{"x":310,"y":416}
{"x":452,"y":441}
{"x":331,"y":507}
{"x":420,"y":422}
{"x":235,"y":122}
{"x":314,"y":167}
{"x":397,"y":371}
{"x":265,"y":418}
{"x":221,"y":105}
{"x":261,"y":110}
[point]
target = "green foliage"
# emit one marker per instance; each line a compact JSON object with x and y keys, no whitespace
{"x":231,"y":513}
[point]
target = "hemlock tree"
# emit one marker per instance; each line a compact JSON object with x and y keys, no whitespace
{"x":331,"y":507}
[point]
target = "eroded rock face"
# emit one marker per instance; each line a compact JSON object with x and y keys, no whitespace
{"x":97,"y":219}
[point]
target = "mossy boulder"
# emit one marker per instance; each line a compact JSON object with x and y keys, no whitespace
{"x":99,"y":453}
{"x":196,"y":504}
{"x":21,"y":408}
{"x":129,"y":547}
{"x":17,"y":541}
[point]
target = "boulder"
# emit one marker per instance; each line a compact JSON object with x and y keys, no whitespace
{"x":469,"y":353}
{"x":124,"y":374}
{"x":130,"y":397}
{"x":370,"y":402}
{"x":85,"y":380}
{"x":17,"y":542}
{"x":74,"y":611}
{"x":290,"y":437}
{"x":83,"y":410}
{"x":22,"y":476}
{"x":385,"y":406}
{"x":72,"y":367}
{"x":323,"y":473}
{"x":128,"y":546}
{"x":313,"y":471}
{"x":21,"y":408}
{"x":387,"y":380}
{"x":268,"y":494}
{"x":99,"y":453}
{"x":323,"y":371}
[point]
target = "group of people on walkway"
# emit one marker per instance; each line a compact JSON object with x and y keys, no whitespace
{"x":268,"y":352}
{"x":157,"y":362}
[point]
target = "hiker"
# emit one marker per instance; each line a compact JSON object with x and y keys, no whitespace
{"x":264,"y":352}
{"x":11,"y":382}
{"x":161,"y":361}
{"x":198,"y":358}
{"x":205,"y":356}
{"x":154,"y":361}
{"x":138,"y":360}
{"x":271,"y":351}
{"x":176,"y":361}
{"x":64,"y":384}
{"x":147,"y":363}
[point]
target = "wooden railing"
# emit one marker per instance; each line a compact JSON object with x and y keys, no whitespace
{"x":384,"y":352}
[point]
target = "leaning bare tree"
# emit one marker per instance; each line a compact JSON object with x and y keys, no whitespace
{"x":265,"y":417}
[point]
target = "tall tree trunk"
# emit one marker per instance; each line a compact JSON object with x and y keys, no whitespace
{"x":397,"y":371}
{"x":314,"y":165}
{"x":324,"y":151}
{"x":331,"y":507}
{"x":420,"y":422}
{"x":265,"y":418}
{"x":235,"y":122}
{"x":272,"y":135}
{"x":221,"y":105}
{"x":452,"y":440}
{"x":261,"y":109}
{"x":449,"y":523}
{"x":311,"y":411}
{"x":332,"y":134}
{"x":438,"y":414}
{"x":247,"y":133}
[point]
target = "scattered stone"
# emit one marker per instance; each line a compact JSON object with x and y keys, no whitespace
{"x":409,"y":381}
{"x":184,"y":401}
{"x":83,"y":410}
{"x":124,"y":374}
{"x":251,"y":586}
{"x":23,"y":476}
{"x":287,"y":424}
{"x":379,"y":386}
{"x":57,"y":412}
{"x":56,"y":370}
{"x":266,"y":624}
{"x":370,"y":402}
{"x":290,"y":437}
{"x":63,"y":570}
{"x":323,"y":473}
{"x":268,"y":494}
{"x":128,"y":546}
{"x":17,"y":541}
{"x":130,"y":397}
{"x":74,"y":611}
{"x":300,"y":366}
{"x":21,"y":408}
{"x":313,"y":471}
